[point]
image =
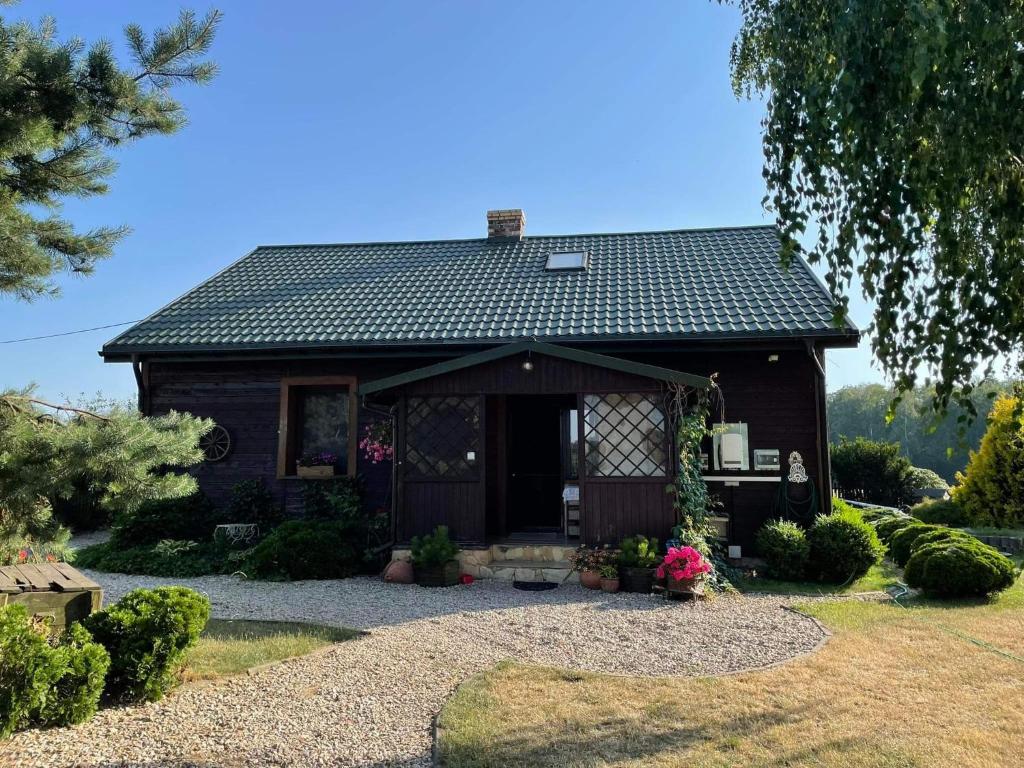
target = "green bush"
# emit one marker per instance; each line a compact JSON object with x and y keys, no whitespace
{"x":940,"y":534}
{"x":901,"y":543}
{"x":81,"y":510}
{"x":842,"y":548}
{"x":28,"y":669}
{"x":871,"y":471}
{"x":940,"y":512}
{"x":872,"y":514}
{"x":76,"y":693}
{"x":338,"y":499}
{"x":308,"y":549}
{"x":959,"y":567}
{"x":922,"y":478}
{"x":991,"y":490}
{"x":783,"y":545}
{"x":190,"y":518}
{"x":147,"y":633}
{"x":888,"y":526}
{"x":638,"y":552}
{"x":44,"y":680}
{"x":169,"y":558}
{"x":252,"y":502}
{"x":434,"y":549}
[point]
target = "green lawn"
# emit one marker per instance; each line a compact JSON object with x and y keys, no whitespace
{"x":229,"y":647}
{"x":902,"y":687}
{"x":878,"y":579}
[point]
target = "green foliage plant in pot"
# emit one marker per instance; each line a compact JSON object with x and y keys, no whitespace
{"x":609,"y":577}
{"x":638,"y":557}
{"x":434,"y":560}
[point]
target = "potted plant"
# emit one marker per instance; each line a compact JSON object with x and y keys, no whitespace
{"x":434,"y":560}
{"x":610,"y":577}
{"x":638,"y":557}
{"x":316,"y":465}
{"x":587,"y":562}
{"x":683,"y":569}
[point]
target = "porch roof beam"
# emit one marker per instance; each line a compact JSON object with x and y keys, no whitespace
{"x":535,"y":347}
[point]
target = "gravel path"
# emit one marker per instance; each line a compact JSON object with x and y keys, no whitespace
{"x":369,"y":702}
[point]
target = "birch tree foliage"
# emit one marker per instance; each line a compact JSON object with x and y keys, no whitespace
{"x":893,"y":143}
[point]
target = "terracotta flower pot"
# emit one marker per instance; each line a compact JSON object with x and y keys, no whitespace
{"x":398,"y":572}
{"x":609,"y":585}
{"x":590,"y":579}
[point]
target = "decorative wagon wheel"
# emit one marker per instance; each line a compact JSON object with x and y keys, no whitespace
{"x":216,"y":443}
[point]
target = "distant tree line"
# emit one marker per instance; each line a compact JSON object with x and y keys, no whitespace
{"x":859,"y":411}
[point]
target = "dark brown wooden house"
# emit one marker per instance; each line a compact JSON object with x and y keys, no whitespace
{"x":521,"y":372}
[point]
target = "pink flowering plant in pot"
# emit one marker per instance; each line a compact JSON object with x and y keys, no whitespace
{"x":376,"y":444}
{"x":683,"y":568}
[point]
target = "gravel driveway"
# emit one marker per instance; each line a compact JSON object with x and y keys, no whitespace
{"x":369,"y":702}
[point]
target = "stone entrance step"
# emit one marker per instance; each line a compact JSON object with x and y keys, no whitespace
{"x":557,"y":571}
{"x":536,"y":552}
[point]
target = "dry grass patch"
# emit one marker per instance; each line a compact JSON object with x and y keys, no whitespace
{"x":229,"y":647}
{"x":894,"y":687}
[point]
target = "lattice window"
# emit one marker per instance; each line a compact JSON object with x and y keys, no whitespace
{"x":625,"y":435}
{"x":442,"y":436}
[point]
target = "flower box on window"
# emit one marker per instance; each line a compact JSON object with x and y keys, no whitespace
{"x":315,"y":473}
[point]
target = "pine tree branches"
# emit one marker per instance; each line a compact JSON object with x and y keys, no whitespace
{"x":62,"y":108}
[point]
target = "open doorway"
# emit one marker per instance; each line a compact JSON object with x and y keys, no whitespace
{"x":541,"y":459}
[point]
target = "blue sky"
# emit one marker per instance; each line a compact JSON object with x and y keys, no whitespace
{"x":350,"y":121}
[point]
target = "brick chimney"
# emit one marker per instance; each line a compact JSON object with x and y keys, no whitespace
{"x":507,"y":223}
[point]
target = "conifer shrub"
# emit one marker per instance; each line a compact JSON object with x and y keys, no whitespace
{"x":842,"y":548}
{"x":941,"y":512}
{"x":901,"y":543}
{"x":46,"y":680}
{"x":959,"y":567}
{"x":991,"y":490}
{"x":783,"y":544}
{"x":308,"y":549}
{"x":147,"y":633}
{"x":888,"y":526}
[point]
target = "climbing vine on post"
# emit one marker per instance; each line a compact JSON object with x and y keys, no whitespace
{"x":691,"y":410}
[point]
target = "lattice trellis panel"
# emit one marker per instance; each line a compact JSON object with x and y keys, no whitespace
{"x":440,"y":432}
{"x":625,"y":435}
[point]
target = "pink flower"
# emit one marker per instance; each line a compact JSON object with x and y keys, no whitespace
{"x":23,"y":555}
{"x":682,"y":563}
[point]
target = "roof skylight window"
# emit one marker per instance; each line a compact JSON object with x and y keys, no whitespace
{"x":567,"y":260}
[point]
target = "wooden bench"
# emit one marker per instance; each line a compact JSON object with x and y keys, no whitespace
{"x":53,"y":590}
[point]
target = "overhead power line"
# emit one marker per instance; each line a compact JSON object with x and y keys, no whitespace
{"x":68,"y":333}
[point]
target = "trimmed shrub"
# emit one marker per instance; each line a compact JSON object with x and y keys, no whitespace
{"x":922,"y":479}
{"x":76,"y":694}
{"x":842,"y":548}
{"x":871,"y":471}
{"x":191,"y":518}
{"x":28,"y":668}
{"x":252,"y":502}
{"x":44,"y":680}
{"x":901,"y":543}
{"x":940,"y":512}
{"x":991,"y":490}
{"x":872,"y":514}
{"x":783,"y":545}
{"x":959,"y":567}
{"x":888,"y":526}
{"x":308,"y":549}
{"x":939,"y":534}
{"x":147,"y":633}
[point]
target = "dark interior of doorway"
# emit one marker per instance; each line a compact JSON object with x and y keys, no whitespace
{"x":538,"y":457}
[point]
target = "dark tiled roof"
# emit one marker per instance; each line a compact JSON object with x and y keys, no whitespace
{"x":724,"y":283}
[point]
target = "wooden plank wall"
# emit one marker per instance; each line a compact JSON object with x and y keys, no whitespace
{"x":776,"y":400}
